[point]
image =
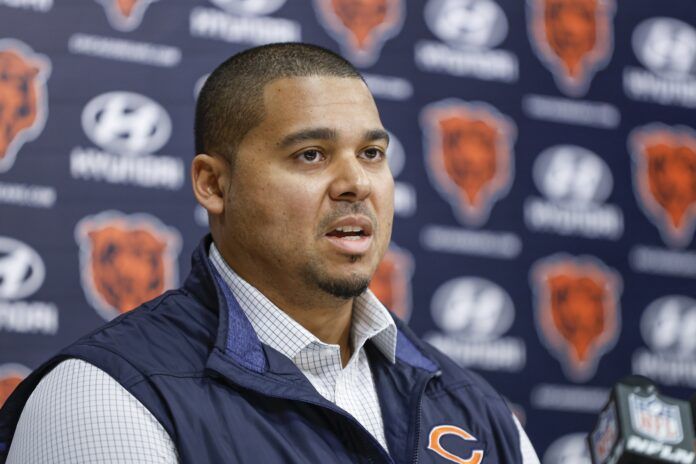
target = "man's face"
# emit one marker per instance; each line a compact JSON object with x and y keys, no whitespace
{"x":310,"y":204}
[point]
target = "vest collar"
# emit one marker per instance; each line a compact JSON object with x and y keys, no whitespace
{"x":236,"y":339}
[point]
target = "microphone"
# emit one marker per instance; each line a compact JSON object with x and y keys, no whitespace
{"x":638,"y":425}
{"x":693,"y":416}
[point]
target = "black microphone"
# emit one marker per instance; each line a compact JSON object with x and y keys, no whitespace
{"x":693,"y":416}
{"x":638,"y":425}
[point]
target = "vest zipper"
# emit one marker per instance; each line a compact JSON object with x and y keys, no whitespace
{"x":353,"y":422}
{"x":416,"y":447}
{"x":327,"y":405}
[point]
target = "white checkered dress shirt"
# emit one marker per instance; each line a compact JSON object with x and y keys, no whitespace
{"x":350,"y":387}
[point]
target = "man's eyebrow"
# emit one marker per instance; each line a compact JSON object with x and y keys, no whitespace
{"x":325,"y":133}
{"x":377,"y":134}
{"x":319,"y":133}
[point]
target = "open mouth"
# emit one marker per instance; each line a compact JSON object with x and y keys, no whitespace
{"x":351,"y":235}
{"x":348,"y":233}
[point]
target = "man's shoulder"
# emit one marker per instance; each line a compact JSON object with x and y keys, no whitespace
{"x":173,"y":332}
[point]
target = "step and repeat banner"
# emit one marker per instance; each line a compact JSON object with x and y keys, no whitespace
{"x":544,"y":153}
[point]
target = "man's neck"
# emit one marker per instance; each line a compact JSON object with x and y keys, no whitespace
{"x":329,"y":318}
{"x":325,"y":316}
{"x":330,"y":325}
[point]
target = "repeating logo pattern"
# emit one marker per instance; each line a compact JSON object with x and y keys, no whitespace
{"x":22,"y":271}
{"x":467,"y":23}
{"x":666,"y":46}
{"x":125,"y":260}
{"x":391,"y":282}
{"x":469,"y":155}
{"x":664,"y":179}
{"x":250,"y":7}
{"x":244,"y":21}
{"x":574,"y":182}
{"x":22,"y":274}
{"x":473,"y":315}
{"x":126,"y":123}
{"x":577,"y":310}
{"x":128,"y":127}
{"x":573,"y":38}
{"x":573,"y":176}
{"x":474,"y":308}
{"x":125,"y":15}
{"x":23,"y":98}
{"x":668,"y":326}
{"x":362,"y":27}
{"x":469,"y":32}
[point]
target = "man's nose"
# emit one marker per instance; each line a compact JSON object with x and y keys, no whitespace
{"x":351,"y":182}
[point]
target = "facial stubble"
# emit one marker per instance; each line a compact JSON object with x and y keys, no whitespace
{"x":348,"y":287}
{"x":343,"y":288}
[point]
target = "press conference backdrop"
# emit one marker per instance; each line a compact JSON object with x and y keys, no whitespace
{"x":544,"y":153}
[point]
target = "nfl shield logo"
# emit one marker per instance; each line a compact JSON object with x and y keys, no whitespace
{"x":655,"y":419}
{"x":604,"y":436}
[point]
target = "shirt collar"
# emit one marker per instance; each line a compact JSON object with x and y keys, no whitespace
{"x":371,"y":320}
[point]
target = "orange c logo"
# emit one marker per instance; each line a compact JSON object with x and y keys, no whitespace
{"x":434,"y":444}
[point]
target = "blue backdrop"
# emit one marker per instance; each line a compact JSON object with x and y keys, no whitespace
{"x":544,"y":153}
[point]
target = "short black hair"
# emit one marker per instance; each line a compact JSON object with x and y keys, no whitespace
{"x":230,"y":103}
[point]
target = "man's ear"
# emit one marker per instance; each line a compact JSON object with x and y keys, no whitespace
{"x":208,"y":178}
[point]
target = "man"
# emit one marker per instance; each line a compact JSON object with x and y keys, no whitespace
{"x":272,"y":351}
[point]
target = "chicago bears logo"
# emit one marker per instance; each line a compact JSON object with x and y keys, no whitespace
{"x":125,"y":15}
{"x":391,"y":282}
{"x":664,"y":179}
{"x":125,"y":260}
{"x":23,"y":98}
{"x":573,"y":38}
{"x":471,"y":454}
{"x":11,"y":375}
{"x":361,"y":26}
{"x":577,"y":310}
{"x":469,"y":155}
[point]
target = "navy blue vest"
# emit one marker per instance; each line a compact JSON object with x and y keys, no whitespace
{"x":193,"y":359}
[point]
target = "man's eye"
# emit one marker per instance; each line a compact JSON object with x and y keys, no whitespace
{"x":374,"y":154}
{"x":310,"y":156}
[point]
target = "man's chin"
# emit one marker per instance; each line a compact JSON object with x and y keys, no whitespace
{"x":344,"y":285}
{"x":346,"y":278}
{"x":345,"y":288}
